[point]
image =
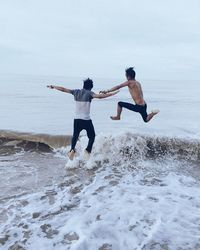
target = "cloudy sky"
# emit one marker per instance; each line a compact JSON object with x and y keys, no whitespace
{"x":101,"y":38}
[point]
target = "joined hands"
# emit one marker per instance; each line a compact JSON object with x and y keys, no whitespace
{"x":50,"y":86}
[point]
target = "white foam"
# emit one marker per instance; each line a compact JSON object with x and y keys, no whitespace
{"x":123,"y":209}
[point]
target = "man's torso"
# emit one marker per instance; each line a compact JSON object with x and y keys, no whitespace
{"x":135,"y":90}
{"x":83,"y":100}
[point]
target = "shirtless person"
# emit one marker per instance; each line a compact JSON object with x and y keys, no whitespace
{"x":83,"y":98}
{"x":135,"y":90}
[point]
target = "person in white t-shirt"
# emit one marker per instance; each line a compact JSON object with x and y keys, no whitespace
{"x":82,"y":120}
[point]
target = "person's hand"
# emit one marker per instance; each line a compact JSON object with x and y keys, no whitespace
{"x":50,"y":86}
{"x":103,"y":92}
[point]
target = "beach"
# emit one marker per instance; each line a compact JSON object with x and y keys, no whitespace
{"x":138,"y":190}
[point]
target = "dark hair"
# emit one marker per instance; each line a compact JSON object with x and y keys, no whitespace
{"x":88,"y":84}
{"x":130,"y":72}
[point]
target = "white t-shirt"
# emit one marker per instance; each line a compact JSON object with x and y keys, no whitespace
{"x":83,"y":100}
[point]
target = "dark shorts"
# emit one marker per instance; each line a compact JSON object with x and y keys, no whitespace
{"x":142,"y":109}
{"x":80,"y":125}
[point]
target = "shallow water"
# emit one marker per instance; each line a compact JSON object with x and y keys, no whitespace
{"x":125,"y":197}
{"x":139,"y":189}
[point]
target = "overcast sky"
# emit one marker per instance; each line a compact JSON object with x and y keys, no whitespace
{"x":100,"y":38}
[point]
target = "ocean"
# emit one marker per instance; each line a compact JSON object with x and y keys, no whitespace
{"x":138,"y":190}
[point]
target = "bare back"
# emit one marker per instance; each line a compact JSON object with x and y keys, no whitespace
{"x":135,"y":90}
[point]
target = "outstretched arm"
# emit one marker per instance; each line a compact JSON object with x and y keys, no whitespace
{"x":59,"y":88}
{"x":122,"y":85}
{"x":104,"y":95}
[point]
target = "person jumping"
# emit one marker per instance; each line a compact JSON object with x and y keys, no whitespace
{"x":82,"y":121}
{"x":135,"y":90}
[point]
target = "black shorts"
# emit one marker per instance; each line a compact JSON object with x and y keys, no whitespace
{"x":142,"y":109}
{"x":80,"y":125}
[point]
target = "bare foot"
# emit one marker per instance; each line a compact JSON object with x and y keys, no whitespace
{"x":155,"y":112}
{"x":71,"y":154}
{"x":151,"y":115}
{"x":115,"y":118}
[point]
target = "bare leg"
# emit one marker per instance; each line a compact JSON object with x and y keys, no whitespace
{"x":151,"y":115}
{"x":119,"y":111}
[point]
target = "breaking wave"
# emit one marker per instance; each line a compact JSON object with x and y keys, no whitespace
{"x":117,"y":146}
{"x":135,"y":148}
{"x":13,"y":142}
